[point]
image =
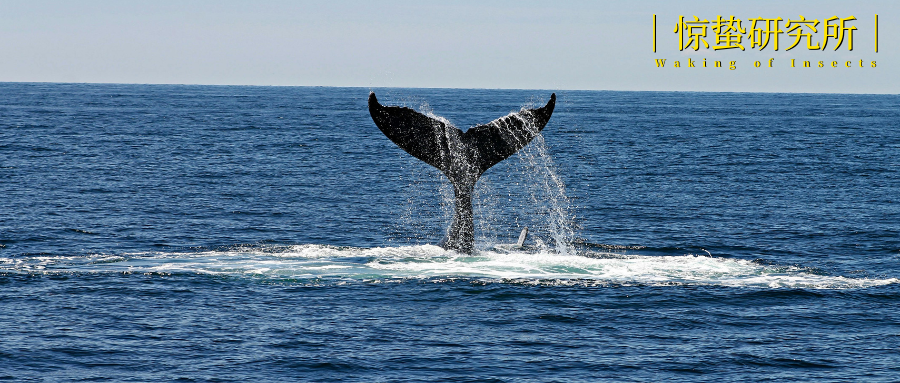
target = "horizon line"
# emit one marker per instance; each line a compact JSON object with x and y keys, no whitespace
{"x":435,"y":87}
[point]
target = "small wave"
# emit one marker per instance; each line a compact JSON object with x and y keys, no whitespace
{"x":432,"y":262}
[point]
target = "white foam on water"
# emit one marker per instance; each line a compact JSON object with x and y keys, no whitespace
{"x":428,"y":262}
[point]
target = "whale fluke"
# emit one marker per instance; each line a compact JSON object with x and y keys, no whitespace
{"x":462,"y":157}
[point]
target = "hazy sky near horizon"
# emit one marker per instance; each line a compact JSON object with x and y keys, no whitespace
{"x":459,"y":44}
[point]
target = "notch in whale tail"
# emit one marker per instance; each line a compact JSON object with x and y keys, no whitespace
{"x":462,"y":156}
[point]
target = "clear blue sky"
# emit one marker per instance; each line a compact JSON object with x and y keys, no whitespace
{"x":458,"y":44}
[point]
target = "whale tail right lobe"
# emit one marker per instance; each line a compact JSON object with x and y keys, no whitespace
{"x":462,"y":157}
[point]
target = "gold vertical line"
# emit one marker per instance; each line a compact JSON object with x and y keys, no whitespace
{"x":654,"y":33}
{"x":876,"y":33}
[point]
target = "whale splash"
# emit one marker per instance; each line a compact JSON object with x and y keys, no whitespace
{"x":461,"y":156}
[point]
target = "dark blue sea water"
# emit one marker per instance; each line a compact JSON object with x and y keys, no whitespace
{"x":226,"y":233}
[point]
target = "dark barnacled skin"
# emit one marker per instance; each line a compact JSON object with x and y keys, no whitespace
{"x":462,"y":157}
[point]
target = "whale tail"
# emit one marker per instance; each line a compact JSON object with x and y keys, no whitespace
{"x":462,"y":156}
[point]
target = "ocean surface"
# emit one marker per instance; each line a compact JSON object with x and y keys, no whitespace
{"x":231,"y":233}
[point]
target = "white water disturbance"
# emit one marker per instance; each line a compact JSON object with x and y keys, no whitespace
{"x":525,"y":191}
{"x":547,"y":194}
{"x":328,"y":263}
